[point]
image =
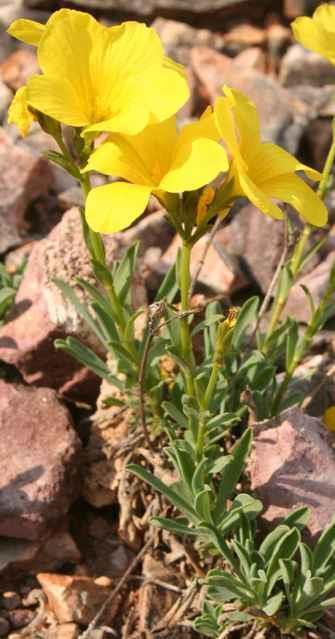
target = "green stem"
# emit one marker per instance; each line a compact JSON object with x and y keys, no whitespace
{"x":185,"y":335}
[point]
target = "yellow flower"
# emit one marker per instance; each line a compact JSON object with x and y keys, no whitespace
{"x":329,"y":418}
{"x":19,"y":113}
{"x":263,"y":171}
{"x":317,"y":33}
{"x":156,"y":160}
{"x":101,"y":78}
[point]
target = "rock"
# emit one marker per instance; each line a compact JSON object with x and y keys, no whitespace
{"x":31,"y":176}
{"x":18,"y":556}
{"x":293,"y":464}
{"x":178,"y":38}
{"x":300,"y":66}
{"x":4,"y":627}
{"x":16,"y":70}
{"x":5,"y":100}
{"x":294,"y":8}
{"x":40,"y":483}
{"x":251,"y":58}
{"x":71,"y":197}
{"x":64,"y":631}
{"x":20,"y":617}
{"x":185,"y":8}
{"x":75,"y":599}
{"x":219,"y":272}
{"x":280,"y":121}
{"x":109,"y":429}
{"x":40,"y":314}
{"x":256,"y":241}
{"x":10,"y":600}
{"x":243,"y":36}
{"x":316,"y":281}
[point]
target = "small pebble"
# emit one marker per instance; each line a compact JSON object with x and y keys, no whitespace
{"x":10,"y":600}
{"x":20,"y":617}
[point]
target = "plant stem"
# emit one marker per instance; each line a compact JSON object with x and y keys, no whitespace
{"x":185,"y":335}
{"x":296,"y":260}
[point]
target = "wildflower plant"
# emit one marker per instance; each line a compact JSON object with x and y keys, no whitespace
{"x":116,"y":81}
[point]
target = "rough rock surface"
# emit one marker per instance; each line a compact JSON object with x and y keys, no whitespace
{"x":75,"y":599}
{"x":302,"y":67}
{"x":41,"y":480}
{"x":31,"y":176}
{"x":256,"y":241}
{"x":41,"y":315}
{"x":293,"y":464}
{"x":280,"y":121}
{"x":316,"y":281}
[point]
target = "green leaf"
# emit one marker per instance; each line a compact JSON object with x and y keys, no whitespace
{"x":306,"y":557}
{"x":165,"y":490}
{"x":285,"y":548}
{"x":291,"y":344}
{"x":202,"y":505}
{"x":325,"y":548}
{"x":169,"y":287}
{"x":124,"y":271}
{"x":88,"y":358}
{"x":174,"y":526}
{"x":175,"y":414}
{"x":246,"y":316}
{"x":271,"y":540}
{"x":232,"y":471}
{"x":273,"y":604}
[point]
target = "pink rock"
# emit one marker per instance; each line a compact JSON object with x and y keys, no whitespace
{"x":41,"y":315}
{"x":219,"y":273}
{"x":316,"y":281}
{"x":39,"y":484}
{"x":24,"y":177}
{"x":293,"y":464}
{"x":274,"y":104}
{"x":251,"y":58}
{"x":256,"y":241}
{"x":16,"y":70}
{"x":73,"y":598}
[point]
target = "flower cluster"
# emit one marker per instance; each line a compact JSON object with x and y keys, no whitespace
{"x":117,"y":81}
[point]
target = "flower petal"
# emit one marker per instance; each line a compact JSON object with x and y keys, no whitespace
{"x":313,"y":35}
{"x":113,"y":207}
{"x":258,"y":197}
{"x":165,"y":90}
{"x":27,"y":31}
{"x":271,"y":160}
{"x":132,"y":119}
{"x":224,"y":120}
{"x":19,"y":113}
{"x":246,"y":118}
{"x":117,"y":157}
{"x":324,"y":16}
{"x":294,"y":191}
{"x":55,"y":96}
{"x":194,"y":165}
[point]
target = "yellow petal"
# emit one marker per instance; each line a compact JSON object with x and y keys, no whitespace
{"x":246,"y":119}
{"x":118,"y":158}
{"x":293,"y":190}
{"x":324,"y":16}
{"x":271,"y":160}
{"x":258,"y":197}
{"x":132,"y":119}
{"x":165,"y":90}
{"x":194,"y":165}
{"x":225,"y":122}
{"x":55,"y":96}
{"x":205,"y":127}
{"x":19,"y":113}
{"x":113,"y":207}
{"x":312,"y":35}
{"x":27,"y":31}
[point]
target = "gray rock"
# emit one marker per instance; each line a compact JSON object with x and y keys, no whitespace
{"x":39,"y":484}
{"x":5,"y":100}
{"x":316,"y":281}
{"x":300,"y":66}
